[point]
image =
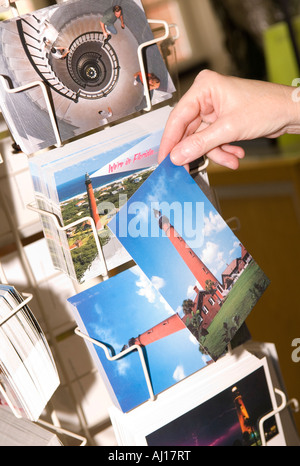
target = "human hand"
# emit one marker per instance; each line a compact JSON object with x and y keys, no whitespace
{"x":219,"y":110}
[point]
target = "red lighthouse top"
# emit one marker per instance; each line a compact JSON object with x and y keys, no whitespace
{"x":201,"y":273}
{"x":92,"y":202}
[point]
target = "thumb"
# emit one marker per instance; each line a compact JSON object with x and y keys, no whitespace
{"x":202,"y":142}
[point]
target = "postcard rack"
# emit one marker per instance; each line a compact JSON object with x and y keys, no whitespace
{"x":27,"y":297}
{"x":55,"y":425}
{"x":51,"y":112}
{"x":285,"y":404}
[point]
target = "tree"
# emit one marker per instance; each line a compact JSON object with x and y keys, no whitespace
{"x":187,"y":306}
{"x":210,"y":286}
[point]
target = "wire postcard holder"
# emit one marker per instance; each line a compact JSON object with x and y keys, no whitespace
{"x":121,"y":355}
{"x":141,"y":59}
{"x":55,"y":425}
{"x":44,"y":88}
{"x":284,"y":405}
{"x":59,"y":227}
{"x":277,"y":410}
{"x":27,"y":298}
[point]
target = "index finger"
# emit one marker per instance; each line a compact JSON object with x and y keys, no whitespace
{"x":183,"y":120}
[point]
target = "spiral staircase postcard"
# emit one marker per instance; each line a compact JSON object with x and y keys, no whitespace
{"x":85,"y":52}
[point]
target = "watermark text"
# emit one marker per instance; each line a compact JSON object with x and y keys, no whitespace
{"x":296,"y":351}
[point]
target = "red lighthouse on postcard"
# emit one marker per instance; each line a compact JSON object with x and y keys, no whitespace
{"x":92,"y":202}
{"x":210,"y":293}
{"x":201,"y":273}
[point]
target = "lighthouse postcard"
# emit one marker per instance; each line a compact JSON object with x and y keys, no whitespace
{"x":174,"y":233}
{"x":71,"y":68}
{"x":220,"y":406}
{"x":127,"y":311}
{"x":91,"y":179}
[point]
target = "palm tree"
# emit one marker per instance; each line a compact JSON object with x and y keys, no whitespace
{"x":210,"y":286}
{"x":187,"y":306}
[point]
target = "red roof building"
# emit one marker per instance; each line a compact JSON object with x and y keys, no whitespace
{"x":234,"y":269}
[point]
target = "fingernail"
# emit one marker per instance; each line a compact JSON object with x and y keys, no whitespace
{"x":177,"y":157}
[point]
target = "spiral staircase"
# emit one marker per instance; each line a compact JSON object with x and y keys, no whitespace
{"x":81,"y":83}
{"x":91,"y":68}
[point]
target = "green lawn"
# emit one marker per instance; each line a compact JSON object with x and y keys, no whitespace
{"x":237,"y":306}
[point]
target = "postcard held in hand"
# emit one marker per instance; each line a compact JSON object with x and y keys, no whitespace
{"x":172,"y":231}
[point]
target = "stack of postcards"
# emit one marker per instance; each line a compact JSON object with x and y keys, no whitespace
{"x":104,"y":170}
{"x":28,"y":376}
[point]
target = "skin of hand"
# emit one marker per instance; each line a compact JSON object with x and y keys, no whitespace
{"x":219,"y":110}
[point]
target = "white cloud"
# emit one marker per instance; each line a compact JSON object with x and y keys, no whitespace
{"x":122,"y":366}
{"x":158,"y":282}
{"x":178,"y":310}
{"x":160,"y":191}
{"x":178,"y":374}
{"x":146,"y":287}
{"x":210,"y":253}
{"x":212,"y":257}
{"x":213,"y":224}
{"x":193,"y":340}
{"x":167,"y":306}
{"x":191,"y":290}
{"x":236,"y":245}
